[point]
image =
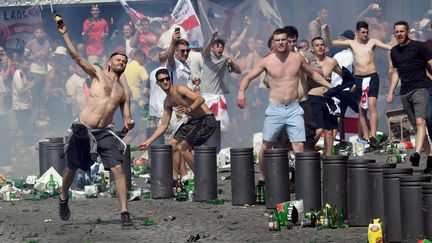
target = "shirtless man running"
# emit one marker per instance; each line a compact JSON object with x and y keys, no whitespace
{"x":282,"y":68}
{"x":106,"y":94}
{"x":196,"y":131}
{"x":367,"y":80}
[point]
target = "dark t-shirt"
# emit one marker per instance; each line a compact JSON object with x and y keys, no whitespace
{"x":429,"y":45}
{"x":411,"y":63}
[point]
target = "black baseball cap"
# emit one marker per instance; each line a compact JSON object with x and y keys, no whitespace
{"x":349,"y":34}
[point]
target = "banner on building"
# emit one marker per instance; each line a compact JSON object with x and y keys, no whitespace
{"x":17,"y":26}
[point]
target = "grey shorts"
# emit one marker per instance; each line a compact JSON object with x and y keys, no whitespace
{"x":415,"y":104}
{"x":78,"y":153}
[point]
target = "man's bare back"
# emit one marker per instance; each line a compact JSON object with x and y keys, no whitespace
{"x":106,"y":93}
{"x":179,"y":100}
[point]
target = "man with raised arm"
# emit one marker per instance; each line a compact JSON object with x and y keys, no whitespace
{"x":92,"y":132}
{"x":213,"y":87}
{"x":367,"y":80}
{"x":282,"y":68}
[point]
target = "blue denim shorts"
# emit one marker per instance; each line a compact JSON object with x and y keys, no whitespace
{"x":284,"y":116}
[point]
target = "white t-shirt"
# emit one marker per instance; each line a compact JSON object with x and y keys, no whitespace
{"x":128,"y":46}
{"x":345,"y":58}
{"x":180,"y":73}
{"x":20,"y":100}
{"x":75,"y":91}
{"x":157,"y":96}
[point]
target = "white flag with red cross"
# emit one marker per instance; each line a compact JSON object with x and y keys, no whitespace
{"x":185,"y":16}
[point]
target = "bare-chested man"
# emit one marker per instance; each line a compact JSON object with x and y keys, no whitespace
{"x":196,"y":131}
{"x":282,"y":68}
{"x":367,"y":80}
{"x":325,"y":122}
{"x":93,"y":126}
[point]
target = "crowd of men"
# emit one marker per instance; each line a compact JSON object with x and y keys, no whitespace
{"x":310,"y":85}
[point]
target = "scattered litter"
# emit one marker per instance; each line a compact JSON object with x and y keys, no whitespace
{"x":43,"y":180}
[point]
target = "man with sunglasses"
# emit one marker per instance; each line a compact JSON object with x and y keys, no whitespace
{"x":180,"y":74}
{"x":195,"y":131}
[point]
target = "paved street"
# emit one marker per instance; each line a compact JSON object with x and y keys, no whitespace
{"x":98,"y":220}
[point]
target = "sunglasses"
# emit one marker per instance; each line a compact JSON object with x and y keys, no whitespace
{"x":184,"y":51}
{"x":163,"y":79}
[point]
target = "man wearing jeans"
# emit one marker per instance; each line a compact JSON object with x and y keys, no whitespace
{"x":410,"y":59}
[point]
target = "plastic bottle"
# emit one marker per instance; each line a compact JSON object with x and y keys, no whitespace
{"x":375,"y":234}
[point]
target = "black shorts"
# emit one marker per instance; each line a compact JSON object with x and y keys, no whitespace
{"x":373,"y":85}
{"x":78,"y":153}
{"x":321,"y":114}
{"x":196,"y":132}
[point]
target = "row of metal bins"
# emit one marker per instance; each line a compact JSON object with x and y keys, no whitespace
{"x":368,"y":190}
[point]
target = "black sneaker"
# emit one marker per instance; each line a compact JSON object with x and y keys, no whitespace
{"x":428,"y":168}
{"x":373,"y":142}
{"x":125,"y":219}
{"x":415,"y":159}
{"x":64,"y":211}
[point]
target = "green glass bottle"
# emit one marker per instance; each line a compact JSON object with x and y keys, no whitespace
{"x":145,"y":115}
{"x":273,"y":222}
{"x":262,"y":194}
{"x":326,"y":218}
{"x":133,"y":149}
{"x":216,"y":201}
{"x":341,"y":218}
{"x":52,"y":186}
{"x":258,"y":194}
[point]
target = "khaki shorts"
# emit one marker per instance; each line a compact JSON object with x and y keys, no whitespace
{"x":416,"y":104}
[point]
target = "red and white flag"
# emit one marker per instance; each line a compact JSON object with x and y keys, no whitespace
{"x":134,"y":15}
{"x":218,"y":105}
{"x":185,"y":16}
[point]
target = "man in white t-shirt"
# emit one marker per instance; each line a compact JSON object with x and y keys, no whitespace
{"x":75,"y":90}
{"x":157,"y":95}
{"x":21,"y":94}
